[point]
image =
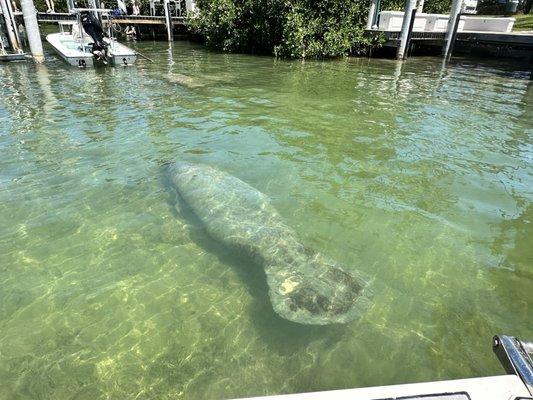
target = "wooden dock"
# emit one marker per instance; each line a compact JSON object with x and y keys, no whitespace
{"x":518,"y":39}
{"x":499,"y":44}
{"x":122,"y":19}
{"x":515,"y":39}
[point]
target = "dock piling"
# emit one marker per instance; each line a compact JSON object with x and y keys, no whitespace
{"x":168,"y":20}
{"x":453,"y":38}
{"x":374,"y":8}
{"x":32,"y":30}
{"x":453,"y":25}
{"x":407,"y":26}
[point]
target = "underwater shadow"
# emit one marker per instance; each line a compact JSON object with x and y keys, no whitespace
{"x":281,"y":335}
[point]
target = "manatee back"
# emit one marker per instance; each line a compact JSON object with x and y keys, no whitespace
{"x":232,"y":211}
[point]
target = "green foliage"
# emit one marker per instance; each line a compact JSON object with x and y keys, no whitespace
{"x":40,"y":5}
{"x":393,"y":5}
{"x":491,"y":7}
{"x":430,"y":6}
{"x":286,"y":28}
{"x":326,"y":28}
{"x":523,"y":22}
{"x":437,"y":6}
{"x":240,"y":25}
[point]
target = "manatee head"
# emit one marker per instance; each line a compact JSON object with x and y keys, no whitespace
{"x":184,"y":174}
{"x":178,"y":168}
{"x":320,"y":294}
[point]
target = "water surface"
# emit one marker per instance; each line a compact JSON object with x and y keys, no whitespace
{"x":418,"y":176}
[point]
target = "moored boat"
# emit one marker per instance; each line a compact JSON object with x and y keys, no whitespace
{"x":82,"y":43}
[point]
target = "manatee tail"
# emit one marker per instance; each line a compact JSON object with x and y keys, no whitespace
{"x":324,"y":294}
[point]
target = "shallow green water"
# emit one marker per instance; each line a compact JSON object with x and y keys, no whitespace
{"x":419,"y":177}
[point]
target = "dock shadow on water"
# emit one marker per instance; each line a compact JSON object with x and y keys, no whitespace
{"x":280,"y":334}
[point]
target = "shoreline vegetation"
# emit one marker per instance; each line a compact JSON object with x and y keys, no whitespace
{"x":292,"y":28}
{"x":287,"y":29}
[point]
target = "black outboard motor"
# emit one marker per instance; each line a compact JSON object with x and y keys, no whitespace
{"x":93,"y":27}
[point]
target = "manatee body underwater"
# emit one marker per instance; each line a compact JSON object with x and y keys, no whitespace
{"x":304,"y":286}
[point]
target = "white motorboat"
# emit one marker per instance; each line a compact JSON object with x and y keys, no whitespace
{"x":82,"y":42}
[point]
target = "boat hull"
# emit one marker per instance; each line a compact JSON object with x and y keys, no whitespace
{"x":122,"y":55}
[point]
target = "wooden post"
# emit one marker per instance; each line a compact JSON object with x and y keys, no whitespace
{"x":410,"y":5}
{"x":11,"y":26}
{"x":32,"y":30}
{"x":454,"y":12}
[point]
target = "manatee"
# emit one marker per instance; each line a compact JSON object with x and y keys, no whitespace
{"x":186,"y":81}
{"x":304,"y":286}
{"x":197,"y":81}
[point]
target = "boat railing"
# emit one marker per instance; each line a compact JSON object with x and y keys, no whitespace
{"x":514,"y":355}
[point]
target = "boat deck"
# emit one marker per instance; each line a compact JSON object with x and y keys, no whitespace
{"x":502,"y":387}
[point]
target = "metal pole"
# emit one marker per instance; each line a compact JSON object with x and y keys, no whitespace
{"x":404,"y":34}
{"x":80,"y":32}
{"x":371,"y":14}
{"x":448,"y":55}
{"x":420,"y":6}
{"x":454,"y":12}
{"x":32,"y":30}
{"x":10,"y":25}
{"x":168,"y":21}
{"x":15,"y":27}
{"x":92,"y":4}
{"x":375,"y":22}
{"x":98,"y":14}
